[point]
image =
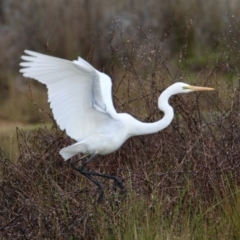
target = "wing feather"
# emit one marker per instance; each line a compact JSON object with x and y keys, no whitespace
{"x":79,"y":95}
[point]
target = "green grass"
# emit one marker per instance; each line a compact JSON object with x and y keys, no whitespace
{"x":8,"y":135}
{"x":140,"y":218}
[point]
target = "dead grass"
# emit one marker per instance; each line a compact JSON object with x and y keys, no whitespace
{"x":182,"y":183}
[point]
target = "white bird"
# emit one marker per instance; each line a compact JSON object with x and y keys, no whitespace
{"x":81,"y":100}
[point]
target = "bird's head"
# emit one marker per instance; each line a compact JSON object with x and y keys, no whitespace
{"x":181,"y":87}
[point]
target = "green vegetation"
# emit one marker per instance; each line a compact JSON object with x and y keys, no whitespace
{"x":8,"y":136}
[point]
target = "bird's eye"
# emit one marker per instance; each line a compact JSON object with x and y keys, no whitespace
{"x":185,"y":87}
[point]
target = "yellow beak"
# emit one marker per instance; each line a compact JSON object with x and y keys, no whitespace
{"x":197,"y":88}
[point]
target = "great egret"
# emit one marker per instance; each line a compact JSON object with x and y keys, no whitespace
{"x":81,"y":100}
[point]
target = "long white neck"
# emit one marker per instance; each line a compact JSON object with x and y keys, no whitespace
{"x":141,"y":128}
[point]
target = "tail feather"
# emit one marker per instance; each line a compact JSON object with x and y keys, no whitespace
{"x":72,"y":150}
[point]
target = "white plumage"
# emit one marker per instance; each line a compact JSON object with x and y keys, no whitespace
{"x":81,"y":100}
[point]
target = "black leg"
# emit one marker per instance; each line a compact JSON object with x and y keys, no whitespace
{"x":114,"y":178}
{"x":100,"y":187}
{"x":89,"y":175}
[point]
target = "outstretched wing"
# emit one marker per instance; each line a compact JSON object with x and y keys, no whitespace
{"x":74,"y":91}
